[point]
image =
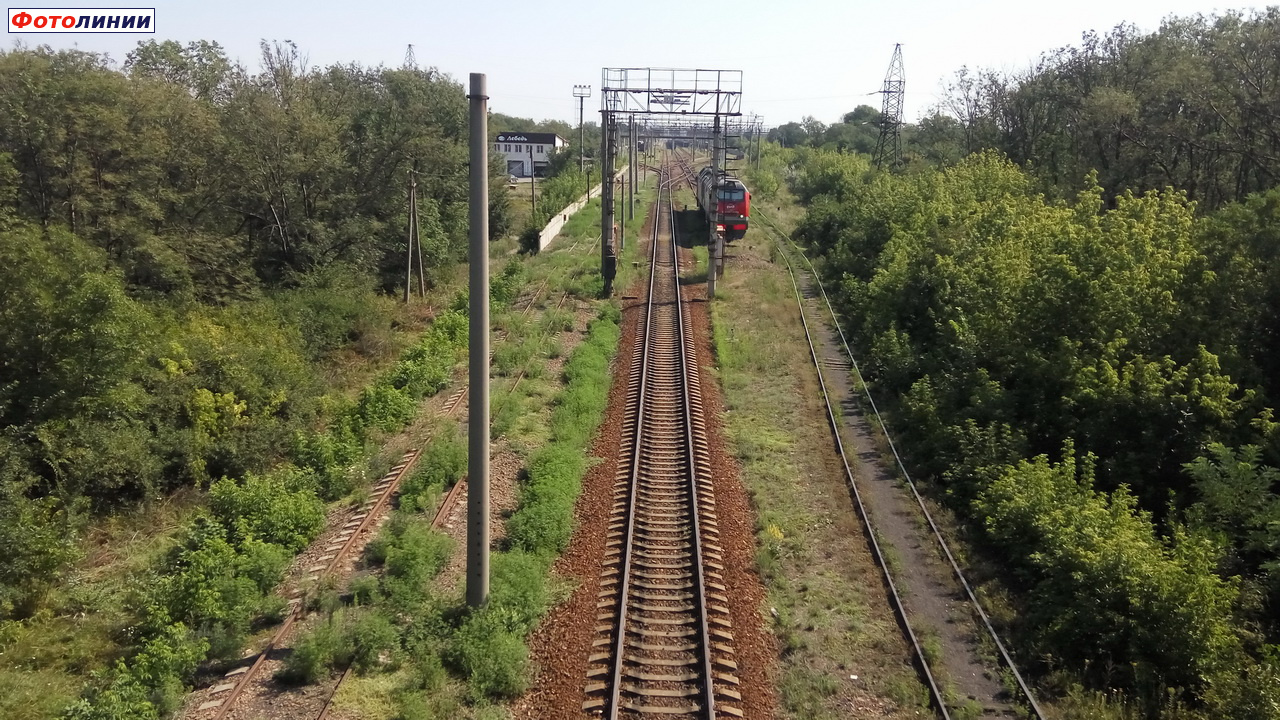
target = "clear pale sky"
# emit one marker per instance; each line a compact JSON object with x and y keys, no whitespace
{"x":807,"y":57}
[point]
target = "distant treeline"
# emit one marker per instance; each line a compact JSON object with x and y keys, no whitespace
{"x":1192,"y":106}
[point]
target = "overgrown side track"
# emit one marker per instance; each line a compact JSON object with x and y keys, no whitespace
{"x":664,"y":639}
{"x":357,"y":531}
{"x":806,"y":281}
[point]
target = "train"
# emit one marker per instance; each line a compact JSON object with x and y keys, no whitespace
{"x":726,"y":203}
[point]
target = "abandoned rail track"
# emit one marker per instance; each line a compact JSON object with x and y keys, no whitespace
{"x":808,"y":286}
{"x":355,"y":533}
{"x":664,"y":642}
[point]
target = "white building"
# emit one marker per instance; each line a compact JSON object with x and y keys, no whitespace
{"x":528,"y":153}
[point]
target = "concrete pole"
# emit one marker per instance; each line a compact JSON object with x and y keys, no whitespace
{"x":759,"y":144}
{"x":417,"y":234}
{"x":478,"y":352}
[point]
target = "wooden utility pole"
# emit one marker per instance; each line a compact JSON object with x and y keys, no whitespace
{"x":414,"y":243}
{"x":417,"y":233}
{"x":413,"y":221}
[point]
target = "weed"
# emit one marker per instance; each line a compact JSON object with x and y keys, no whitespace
{"x":931,"y":648}
{"x":805,"y":692}
{"x":317,"y":653}
{"x":364,"y":590}
{"x":905,"y":689}
{"x":370,"y":636}
{"x":491,"y":656}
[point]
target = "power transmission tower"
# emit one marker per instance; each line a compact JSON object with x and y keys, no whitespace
{"x":889,"y":147}
{"x":410,"y":62}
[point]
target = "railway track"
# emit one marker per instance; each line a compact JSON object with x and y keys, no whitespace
{"x":810,"y":287}
{"x":459,"y":488}
{"x":354,"y":533}
{"x":664,"y":642}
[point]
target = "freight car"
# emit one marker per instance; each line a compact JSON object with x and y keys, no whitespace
{"x":726,"y":203}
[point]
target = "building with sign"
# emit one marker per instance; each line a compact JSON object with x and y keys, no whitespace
{"x":528,"y":153}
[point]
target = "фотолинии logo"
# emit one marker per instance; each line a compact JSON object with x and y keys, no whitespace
{"x":81,"y":20}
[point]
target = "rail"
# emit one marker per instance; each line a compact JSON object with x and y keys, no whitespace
{"x":1005,"y":656}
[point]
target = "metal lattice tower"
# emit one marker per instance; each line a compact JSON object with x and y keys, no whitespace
{"x":889,"y":147}
{"x":410,"y":62}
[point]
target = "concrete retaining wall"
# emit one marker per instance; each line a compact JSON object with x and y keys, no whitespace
{"x":552,"y":230}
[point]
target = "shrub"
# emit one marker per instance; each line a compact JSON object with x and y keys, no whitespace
{"x":491,"y":656}
{"x":443,"y":463}
{"x":544,"y":520}
{"x":280,"y":507}
{"x":364,"y":590}
{"x":369,"y":636}
{"x":331,"y":454}
{"x":121,"y":697}
{"x":505,"y":287}
{"x":1107,"y":587}
{"x":166,"y":662}
{"x":386,"y":407}
{"x":36,"y":542}
{"x":519,"y":589}
{"x":530,"y":238}
{"x":317,"y":653}
{"x":417,"y":554}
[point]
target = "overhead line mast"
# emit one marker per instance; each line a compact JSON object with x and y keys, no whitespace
{"x":889,"y":146}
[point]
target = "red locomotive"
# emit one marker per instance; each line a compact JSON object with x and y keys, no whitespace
{"x":727,"y":203}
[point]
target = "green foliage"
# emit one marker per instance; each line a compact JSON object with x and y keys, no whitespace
{"x":151,"y":686}
{"x":318,"y":652}
{"x":491,"y":655}
{"x":505,"y":287}
{"x":1083,"y":108}
{"x":280,"y":507}
{"x":1111,"y":591}
{"x":333,"y":308}
{"x":544,"y":520}
{"x":443,"y":463}
{"x":36,"y":538}
{"x":557,"y":193}
{"x":999,"y":326}
{"x":529,"y":240}
{"x":386,"y":408}
{"x":371,"y":635}
{"x":412,"y":553}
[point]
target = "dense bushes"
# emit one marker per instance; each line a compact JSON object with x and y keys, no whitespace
{"x":219,"y":578}
{"x":279,"y":507}
{"x":557,"y":192}
{"x":357,"y":637}
{"x":1112,"y":593}
{"x":166,"y":314}
{"x":1004,"y":328}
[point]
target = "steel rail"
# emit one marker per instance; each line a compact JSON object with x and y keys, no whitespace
{"x":451,"y":499}
{"x":1005,"y":656}
{"x":390,"y":481}
{"x":639,"y":414}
